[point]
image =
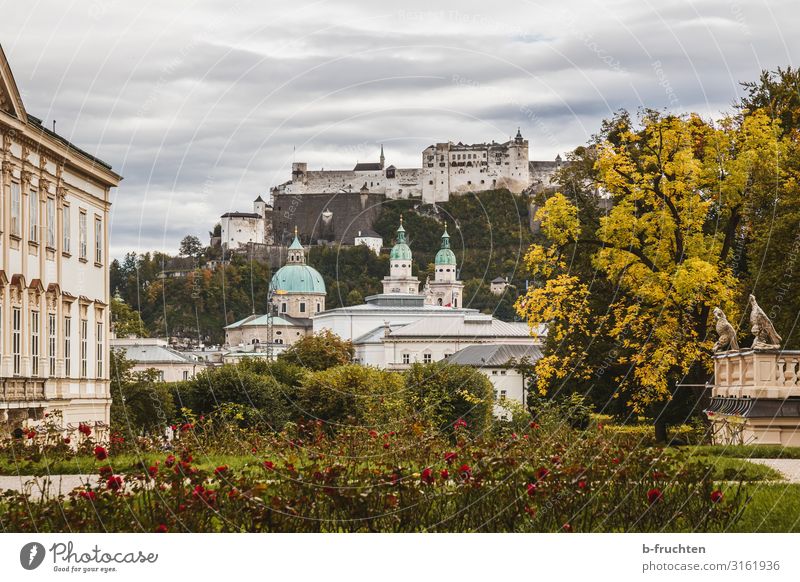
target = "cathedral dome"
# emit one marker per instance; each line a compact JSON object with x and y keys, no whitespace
{"x":298,"y":279}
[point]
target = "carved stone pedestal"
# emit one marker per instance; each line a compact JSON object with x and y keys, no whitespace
{"x":756,"y":397}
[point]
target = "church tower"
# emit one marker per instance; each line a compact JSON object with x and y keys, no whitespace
{"x":400,"y":279}
{"x":445,"y":290}
{"x":383,"y":160}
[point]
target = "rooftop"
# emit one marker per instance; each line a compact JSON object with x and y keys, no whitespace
{"x":495,"y":355}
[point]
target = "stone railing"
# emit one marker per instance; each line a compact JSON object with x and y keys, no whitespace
{"x":21,"y":389}
{"x":757,"y":374}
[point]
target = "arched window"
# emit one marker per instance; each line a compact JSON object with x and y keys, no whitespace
{"x":439,"y":301}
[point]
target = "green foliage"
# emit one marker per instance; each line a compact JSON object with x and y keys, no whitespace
{"x":353,"y":394}
{"x":140,"y":404}
{"x":320,"y":351}
{"x":238,"y":384}
{"x":441,"y":393}
{"x":126,"y":321}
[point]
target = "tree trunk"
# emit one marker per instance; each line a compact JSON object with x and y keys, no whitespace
{"x":660,"y":427}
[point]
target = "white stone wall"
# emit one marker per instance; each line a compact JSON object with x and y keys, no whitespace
{"x":375,"y":244}
{"x":258,"y":334}
{"x":238,"y":231}
{"x":54,"y":272}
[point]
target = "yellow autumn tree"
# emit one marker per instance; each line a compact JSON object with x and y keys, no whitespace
{"x":681,"y":191}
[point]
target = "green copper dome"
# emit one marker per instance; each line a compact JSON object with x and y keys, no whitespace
{"x":298,"y":279}
{"x":445,"y":256}
{"x":400,"y":251}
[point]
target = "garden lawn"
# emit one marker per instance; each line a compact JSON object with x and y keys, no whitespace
{"x":747,"y":451}
{"x":773,"y":508}
{"x":122,"y":464}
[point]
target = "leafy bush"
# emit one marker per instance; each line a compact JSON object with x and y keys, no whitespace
{"x":353,"y":394}
{"x":441,"y":393}
{"x":320,"y":351}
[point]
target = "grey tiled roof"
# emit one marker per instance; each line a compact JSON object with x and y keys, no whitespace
{"x":468,"y":326}
{"x":153,"y":354}
{"x":494,"y":355}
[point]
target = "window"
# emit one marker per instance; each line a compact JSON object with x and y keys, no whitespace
{"x":502,"y":372}
{"x":302,"y":307}
{"x":406,"y":359}
{"x":65,"y":219}
{"x":33,"y":215}
{"x":503,"y":394}
{"x":51,"y":222}
{"x":84,"y":348}
{"x":16,"y":338}
{"x":34,"y":343}
{"x":15,"y":207}
{"x":67,"y":346}
{"x":283,"y":308}
{"x":98,"y":240}
{"x":185,"y":375}
{"x":82,"y":235}
{"x":427,"y":358}
{"x":100,"y":350}
{"x":51,"y":343}
{"x":160,"y":375}
{"x":318,"y":307}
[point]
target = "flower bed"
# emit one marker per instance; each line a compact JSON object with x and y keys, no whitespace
{"x":361,"y":479}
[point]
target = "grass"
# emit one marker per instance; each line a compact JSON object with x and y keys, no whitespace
{"x":748,"y":451}
{"x":773,"y":508}
{"x":125,"y":463}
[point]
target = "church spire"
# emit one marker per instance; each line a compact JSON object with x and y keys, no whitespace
{"x":382,"y":158}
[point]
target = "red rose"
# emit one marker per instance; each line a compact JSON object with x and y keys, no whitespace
{"x":269,"y":465}
{"x":31,"y":433}
{"x":114,"y":482}
{"x":105,"y":471}
{"x":221,"y":470}
{"x":233,"y":493}
{"x":386,"y":445}
{"x":161,"y":528}
{"x":465,"y":472}
{"x":152,"y":470}
{"x":531,"y":489}
{"x":615,"y":460}
{"x":450,"y":457}
{"x":716,"y":496}
{"x":581,"y":484}
{"x":187,"y":426}
{"x":654,"y":495}
{"x":566,"y":527}
{"x":90,"y":495}
{"x":542,"y":473}
{"x":534,"y":425}
{"x":445,"y":474}
{"x":84,"y":429}
{"x":373,"y":434}
{"x":66,"y":440}
{"x":460,"y":423}
{"x":427,"y":475}
{"x":170,"y":460}
{"x":100,"y":453}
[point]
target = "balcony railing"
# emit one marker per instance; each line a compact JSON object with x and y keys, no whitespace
{"x":21,"y":389}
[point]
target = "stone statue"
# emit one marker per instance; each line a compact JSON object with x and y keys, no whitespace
{"x":766,"y":338}
{"x":727,"y":335}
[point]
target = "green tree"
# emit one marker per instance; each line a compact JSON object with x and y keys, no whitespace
{"x":354,"y":395}
{"x":190,"y":246}
{"x":320,"y":351}
{"x":238,"y":384}
{"x":441,"y":393}
{"x":126,"y":321}
{"x":140,"y":404}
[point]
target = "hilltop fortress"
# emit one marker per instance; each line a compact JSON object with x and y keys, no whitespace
{"x":341,"y":205}
{"x":447,"y":169}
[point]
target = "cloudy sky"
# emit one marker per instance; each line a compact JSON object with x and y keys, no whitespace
{"x":203,"y":105}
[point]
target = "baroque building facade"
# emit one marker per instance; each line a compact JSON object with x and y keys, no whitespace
{"x":54,"y":287}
